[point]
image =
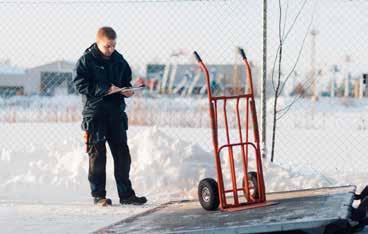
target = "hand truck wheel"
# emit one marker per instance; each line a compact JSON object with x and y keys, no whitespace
{"x":208,"y":194}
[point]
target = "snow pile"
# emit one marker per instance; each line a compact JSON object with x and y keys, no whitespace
{"x":277,"y":177}
{"x":166,"y":167}
{"x":163,"y":168}
{"x":44,"y":173}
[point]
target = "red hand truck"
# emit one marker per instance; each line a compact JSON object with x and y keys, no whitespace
{"x":212,"y":194}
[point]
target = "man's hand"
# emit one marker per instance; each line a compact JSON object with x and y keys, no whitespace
{"x":115,"y":89}
{"x":127,"y":93}
{"x":112,"y":89}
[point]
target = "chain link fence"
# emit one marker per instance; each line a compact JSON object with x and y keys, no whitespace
{"x":321,"y":110}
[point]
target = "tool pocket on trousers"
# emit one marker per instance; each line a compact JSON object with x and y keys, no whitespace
{"x":96,"y":129}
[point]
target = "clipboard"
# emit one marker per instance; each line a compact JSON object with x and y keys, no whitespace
{"x":133,"y":88}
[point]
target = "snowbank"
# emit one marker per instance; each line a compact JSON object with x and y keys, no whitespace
{"x":163,"y":168}
{"x":166,"y":167}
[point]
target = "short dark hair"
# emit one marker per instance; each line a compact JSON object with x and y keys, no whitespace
{"x":107,"y":32}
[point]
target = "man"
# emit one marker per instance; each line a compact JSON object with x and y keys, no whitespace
{"x":100,"y":73}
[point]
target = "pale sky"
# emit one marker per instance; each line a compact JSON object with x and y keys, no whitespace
{"x":34,"y":33}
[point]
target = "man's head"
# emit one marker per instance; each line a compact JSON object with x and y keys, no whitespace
{"x":105,"y":40}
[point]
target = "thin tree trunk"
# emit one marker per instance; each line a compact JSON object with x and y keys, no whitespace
{"x":274,"y":128}
{"x":277,"y":90}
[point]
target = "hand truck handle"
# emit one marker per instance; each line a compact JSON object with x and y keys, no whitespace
{"x":196,"y":55}
{"x":242,"y":53}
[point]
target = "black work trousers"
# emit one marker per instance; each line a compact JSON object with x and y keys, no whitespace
{"x":116,"y":137}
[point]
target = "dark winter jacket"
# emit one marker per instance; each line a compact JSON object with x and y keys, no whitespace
{"x":94,"y":76}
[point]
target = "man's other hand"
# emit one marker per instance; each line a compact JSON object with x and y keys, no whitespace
{"x":113,"y":89}
{"x":127,"y":93}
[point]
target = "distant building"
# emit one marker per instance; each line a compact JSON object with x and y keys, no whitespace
{"x":186,"y":77}
{"x":55,"y":78}
{"x":11,"y":81}
{"x":50,"y":79}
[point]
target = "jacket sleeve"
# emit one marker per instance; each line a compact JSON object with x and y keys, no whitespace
{"x":83,"y":82}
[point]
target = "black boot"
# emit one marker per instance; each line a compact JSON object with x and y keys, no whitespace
{"x":133,"y":200}
{"x":102,"y":201}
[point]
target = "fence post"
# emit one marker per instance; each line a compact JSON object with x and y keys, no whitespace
{"x":264,"y":84}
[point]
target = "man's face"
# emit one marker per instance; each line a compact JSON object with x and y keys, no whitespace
{"x":106,"y":46}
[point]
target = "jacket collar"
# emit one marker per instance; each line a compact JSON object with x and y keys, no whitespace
{"x":96,"y":53}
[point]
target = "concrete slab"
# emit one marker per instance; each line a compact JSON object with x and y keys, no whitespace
{"x":296,"y":210}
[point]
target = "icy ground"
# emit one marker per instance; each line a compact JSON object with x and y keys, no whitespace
{"x":44,"y":187}
{"x":76,"y":217}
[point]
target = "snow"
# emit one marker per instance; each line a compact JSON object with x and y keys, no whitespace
{"x":43,"y":169}
{"x":44,"y":187}
{"x":58,"y":171}
{"x":81,"y":217}
{"x":162,"y":162}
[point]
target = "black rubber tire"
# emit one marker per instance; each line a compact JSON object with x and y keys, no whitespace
{"x":208,"y":194}
{"x":253,"y":182}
